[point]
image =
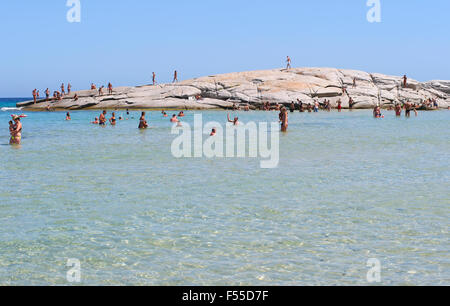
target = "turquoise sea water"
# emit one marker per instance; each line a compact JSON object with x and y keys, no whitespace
{"x":348,"y":188}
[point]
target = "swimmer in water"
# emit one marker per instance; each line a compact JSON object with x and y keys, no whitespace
{"x":113,"y":120}
{"x":398,"y":110}
{"x":316,"y":106}
{"x":11,"y":131}
{"x":377,"y":112}
{"x":142,"y":122}
{"x":16,"y":131}
{"x":102,"y":120}
{"x":68,"y":117}
{"x":408,"y":108}
{"x":96,"y":121}
{"x":213,"y":132}
{"x":235,"y":121}
{"x":174,"y":119}
{"x":181,"y":114}
{"x":284,"y":120}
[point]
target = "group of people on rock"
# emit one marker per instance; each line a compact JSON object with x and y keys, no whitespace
{"x":58,"y":95}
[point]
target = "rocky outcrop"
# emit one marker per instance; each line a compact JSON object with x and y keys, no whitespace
{"x":254,"y":88}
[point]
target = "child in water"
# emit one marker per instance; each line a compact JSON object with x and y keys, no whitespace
{"x":11,"y":126}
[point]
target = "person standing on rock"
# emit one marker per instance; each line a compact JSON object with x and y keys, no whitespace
{"x":154,"y":78}
{"x":47,"y":94}
{"x":405,"y":81}
{"x":110,"y":88}
{"x":34,"y":95}
{"x":69,"y":88}
{"x":354,"y":82}
{"x":175,"y":77}
{"x":288,"y":60}
{"x":63,"y":92}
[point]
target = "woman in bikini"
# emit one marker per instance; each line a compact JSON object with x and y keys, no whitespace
{"x":113,"y":120}
{"x":16,"y":131}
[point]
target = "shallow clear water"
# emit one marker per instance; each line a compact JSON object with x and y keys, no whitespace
{"x":348,"y":188}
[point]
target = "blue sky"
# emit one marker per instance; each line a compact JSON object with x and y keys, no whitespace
{"x":124,"y":41}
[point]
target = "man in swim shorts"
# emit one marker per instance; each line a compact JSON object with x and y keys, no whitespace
{"x":284,"y":120}
{"x":102,"y":120}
